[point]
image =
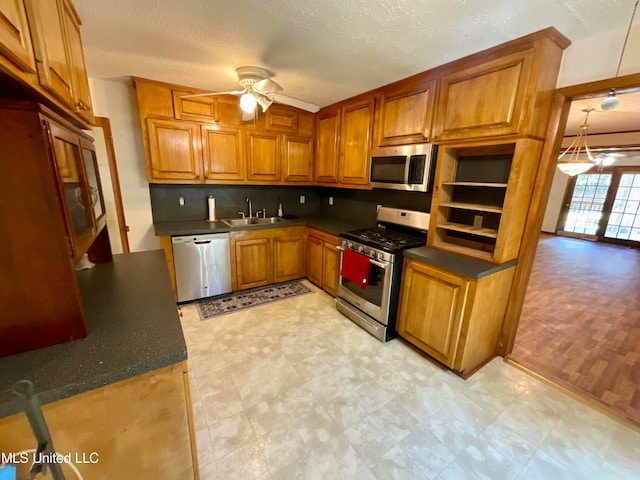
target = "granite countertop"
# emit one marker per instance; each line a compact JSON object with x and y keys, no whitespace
{"x":469,"y":267}
{"x":196,"y":227}
{"x":133,"y":326}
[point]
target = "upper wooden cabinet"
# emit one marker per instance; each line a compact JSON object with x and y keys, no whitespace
{"x":355,"y":143}
{"x":15,"y":39}
{"x":221,"y":110}
{"x":58,"y":51}
{"x":484,"y":100}
{"x":222,"y":153}
{"x":297,"y":161}
{"x":343,"y":136}
{"x":505,"y":91}
{"x":404,"y":117}
{"x":263,"y":157}
{"x":328,"y":146}
{"x":174,"y":149}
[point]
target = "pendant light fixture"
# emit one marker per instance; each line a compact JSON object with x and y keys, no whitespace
{"x":573,"y":164}
{"x":611,"y":101}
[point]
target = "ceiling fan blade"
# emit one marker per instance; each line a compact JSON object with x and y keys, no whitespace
{"x":267,"y":86}
{"x":294,"y":102}
{"x":192,"y":95}
{"x":264,"y":102}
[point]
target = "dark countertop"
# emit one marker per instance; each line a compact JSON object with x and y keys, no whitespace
{"x":469,"y":267}
{"x":196,"y":227}
{"x":133,"y":325}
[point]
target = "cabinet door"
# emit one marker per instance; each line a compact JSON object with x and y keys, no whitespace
{"x":484,"y":100}
{"x":174,"y":149}
{"x":54,"y":70}
{"x":327,"y":152}
{"x":15,"y":40}
{"x":404,"y":118}
{"x":263,"y":156}
{"x":254,"y":263}
{"x":315,"y":247}
{"x":74,"y":192}
{"x":355,"y":142}
{"x":288,"y":258}
{"x":80,"y":84}
{"x":278,"y":119}
{"x":432,"y":307}
{"x":90,"y":165}
{"x":298,"y":159}
{"x":197,"y":109}
{"x":331,"y":267}
{"x":222,"y":152}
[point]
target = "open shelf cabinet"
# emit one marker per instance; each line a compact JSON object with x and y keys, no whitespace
{"x":481,"y":197}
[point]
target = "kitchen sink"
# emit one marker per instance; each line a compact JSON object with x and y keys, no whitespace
{"x":243,"y":222}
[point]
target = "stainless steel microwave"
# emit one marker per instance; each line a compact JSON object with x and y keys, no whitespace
{"x":407,"y":167}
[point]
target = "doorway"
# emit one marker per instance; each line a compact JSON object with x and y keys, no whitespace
{"x":580,"y":312}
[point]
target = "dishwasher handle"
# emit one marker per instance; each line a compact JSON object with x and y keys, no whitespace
{"x":202,"y":242}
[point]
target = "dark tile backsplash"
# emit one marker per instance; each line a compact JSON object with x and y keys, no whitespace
{"x":357,"y":206}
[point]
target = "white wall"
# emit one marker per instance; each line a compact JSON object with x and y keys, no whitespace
{"x":116,"y":100}
{"x":596,"y":58}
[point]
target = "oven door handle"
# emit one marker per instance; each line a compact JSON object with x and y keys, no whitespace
{"x":371,"y":260}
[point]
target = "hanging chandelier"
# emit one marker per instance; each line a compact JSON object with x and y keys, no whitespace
{"x":611,"y":101}
{"x":574,"y":164}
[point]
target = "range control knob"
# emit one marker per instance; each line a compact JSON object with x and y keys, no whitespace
{"x":360,"y":248}
{"x":379,"y":256}
{"x":372,"y":253}
{"x":344,"y":243}
{"x":350,"y":245}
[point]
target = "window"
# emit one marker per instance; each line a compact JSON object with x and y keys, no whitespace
{"x":624,"y":220}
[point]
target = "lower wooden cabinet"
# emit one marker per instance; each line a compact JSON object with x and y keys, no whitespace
{"x":262,"y":257}
{"x":455,"y":319}
{"x":323,"y":260}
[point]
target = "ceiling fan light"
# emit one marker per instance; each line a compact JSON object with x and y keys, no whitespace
{"x":610,"y":102}
{"x":248,"y":103}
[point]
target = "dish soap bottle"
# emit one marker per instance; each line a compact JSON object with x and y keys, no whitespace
{"x":280,"y":208}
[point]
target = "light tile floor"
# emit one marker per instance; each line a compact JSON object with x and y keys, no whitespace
{"x":294,"y":390}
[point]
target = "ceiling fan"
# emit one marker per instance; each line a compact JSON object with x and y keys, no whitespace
{"x":258,"y":89}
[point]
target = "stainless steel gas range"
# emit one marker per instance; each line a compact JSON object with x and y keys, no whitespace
{"x":371,"y":266}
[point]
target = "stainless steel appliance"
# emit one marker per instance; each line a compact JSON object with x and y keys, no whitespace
{"x":408,"y":167}
{"x":202,"y":264}
{"x":374,"y":307}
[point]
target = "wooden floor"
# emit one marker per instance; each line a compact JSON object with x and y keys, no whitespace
{"x":580,"y":325}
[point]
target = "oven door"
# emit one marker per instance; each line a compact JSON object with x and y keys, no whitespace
{"x":374,"y":299}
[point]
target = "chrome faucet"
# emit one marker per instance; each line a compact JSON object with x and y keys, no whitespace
{"x":250,"y":211}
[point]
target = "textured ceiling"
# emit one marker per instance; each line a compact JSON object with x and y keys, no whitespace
{"x":624,"y":118}
{"x":321,"y":51}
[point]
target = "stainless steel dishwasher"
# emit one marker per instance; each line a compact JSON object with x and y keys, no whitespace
{"x":203,"y":266}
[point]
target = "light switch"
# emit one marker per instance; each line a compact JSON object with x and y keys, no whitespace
{"x":181,"y":201}
{"x":301,"y":198}
{"x":330,"y":200}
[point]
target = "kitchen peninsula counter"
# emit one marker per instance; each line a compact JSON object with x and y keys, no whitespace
{"x":468,"y":267}
{"x":133,"y":327}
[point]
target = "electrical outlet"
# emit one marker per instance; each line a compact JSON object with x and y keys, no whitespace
{"x":301,"y":198}
{"x":477,"y":221}
{"x":181,"y":201}
{"x":330,"y":200}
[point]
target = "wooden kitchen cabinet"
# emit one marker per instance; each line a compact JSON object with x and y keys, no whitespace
{"x":328,"y":147}
{"x":221,"y":110}
{"x":263,"y":157}
{"x":51,"y":213}
{"x":355,"y":142}
{"x":404,"y":117}
{"x":455,"y":319}
{"x":223,"y":155}
{"x":254,"y":262}
{"x":174,"y":149}
{"x":289,"y":256}
{"x":263,"y":256}
{"x":79,"y":80}
{"x":15,"y":37}
{"x":58,"y":51}
{"x":297,"y":160}
{"x":323,"y":260}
